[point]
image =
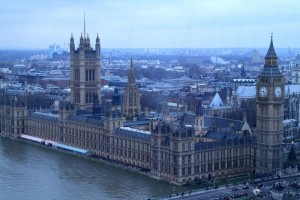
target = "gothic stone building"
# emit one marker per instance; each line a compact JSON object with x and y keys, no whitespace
{"x":170,"y":151}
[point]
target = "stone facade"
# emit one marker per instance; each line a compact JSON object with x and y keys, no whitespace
{"x":171,"y":151}
{"x":85,"y":72}
{"x":13,"y":114}
{"x":179,"y":156}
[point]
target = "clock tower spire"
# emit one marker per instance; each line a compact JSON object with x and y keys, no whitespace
{"x":269,"y":114}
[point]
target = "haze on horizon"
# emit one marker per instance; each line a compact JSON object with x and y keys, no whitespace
{"x":34,"y":24}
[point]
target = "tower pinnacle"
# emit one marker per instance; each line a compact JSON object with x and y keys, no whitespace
{"x":271,"y":52}
{"x":271,"y":57}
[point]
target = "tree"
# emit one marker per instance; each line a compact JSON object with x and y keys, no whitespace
{"x":292,"y":157}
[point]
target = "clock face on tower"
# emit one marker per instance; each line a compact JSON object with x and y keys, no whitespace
{"x":278,"y":91}
{"x":263,"y":91}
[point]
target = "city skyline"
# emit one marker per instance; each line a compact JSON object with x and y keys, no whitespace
{"x":155,"y":24}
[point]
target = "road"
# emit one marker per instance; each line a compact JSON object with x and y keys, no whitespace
{"x":238,"y":190}
{"x":221,"y":192}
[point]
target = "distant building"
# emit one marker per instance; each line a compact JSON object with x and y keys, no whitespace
{"x":20,"y":69}
{"x":195,"y":60}
{"x":296,"y":74}
{"x":256,"y":59}
{"x":54,"y":49}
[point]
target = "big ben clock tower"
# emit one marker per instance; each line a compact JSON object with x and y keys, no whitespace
{"x":269,"y":114}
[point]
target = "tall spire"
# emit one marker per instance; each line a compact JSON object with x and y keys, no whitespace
{"x":271,"y":52}
{"x":131,"y":63}
{"x":84,"y":24}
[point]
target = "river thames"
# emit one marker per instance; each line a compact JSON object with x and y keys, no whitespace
{"x":32,"y":172}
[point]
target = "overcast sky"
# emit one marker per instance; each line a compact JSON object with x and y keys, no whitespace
{"x":35,"y":24}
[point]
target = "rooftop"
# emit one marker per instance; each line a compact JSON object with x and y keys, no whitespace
{"x":133,"y":133}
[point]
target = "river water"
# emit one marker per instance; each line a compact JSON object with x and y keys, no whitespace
{"x":32,"y":172}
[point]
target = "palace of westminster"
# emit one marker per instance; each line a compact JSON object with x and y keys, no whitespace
{"x":177,"y":152}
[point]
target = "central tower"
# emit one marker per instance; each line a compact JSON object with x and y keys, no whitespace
{"x":269,"y":115}
{"x":131,"y":107}
{"x":85,"y":72}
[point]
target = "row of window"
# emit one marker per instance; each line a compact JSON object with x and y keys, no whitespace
{"x":130,"y":143}
{"x":144,"y":157}
{"x":45,"y":125}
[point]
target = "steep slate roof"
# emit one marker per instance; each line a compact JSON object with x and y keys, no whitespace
{"x":271,"y":52}
{"x":135,"y":123}
{"x":216,"y":102}
{"x":222,"y":123}
{"x":133,"y":133}
{"x":44,"y":116}
{"x":220,"y":136}
{"x":224,"y":139}
{"x":86,"y":119}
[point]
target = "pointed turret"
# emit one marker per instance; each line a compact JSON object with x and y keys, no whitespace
{"x":81,"y":44}
{"x":271,"y":57}
{"x":271,"y":52}
{"x":72,"y":39}
{"x":131,"y":63}
{"x":97,"y":45}
{"x":88,"y":40}
{"x":72,"y":45}
{"x":131,"y":75}
{"x":97,"y":39}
